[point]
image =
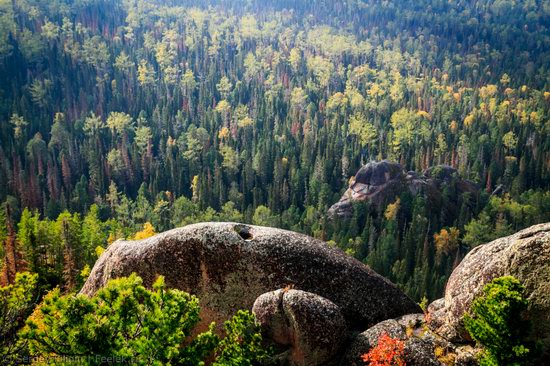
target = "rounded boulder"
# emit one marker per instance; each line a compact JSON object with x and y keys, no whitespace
{"x":308,"y":328}
{"x":228,"y":265}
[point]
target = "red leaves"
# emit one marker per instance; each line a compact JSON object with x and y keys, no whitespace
{"x":388,"y":352}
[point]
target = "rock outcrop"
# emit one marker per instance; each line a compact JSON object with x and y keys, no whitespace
{"x":228,"y":265}
{"x":422,"y":347}
{"x":308,"y":328}
{"x":379,"y":183}
{"x":524,"y":255}
{"x":340,"y":307}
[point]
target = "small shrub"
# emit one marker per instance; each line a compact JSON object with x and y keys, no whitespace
{"x":496,"y":323}
{"x":424,"y":304}
{"x":444,"y":356}
{"x":388,"y":352}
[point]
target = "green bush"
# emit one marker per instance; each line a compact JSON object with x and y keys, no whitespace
{"x":497,"y":323}
{"x":16,"y":303}
{"x":127,"y":323}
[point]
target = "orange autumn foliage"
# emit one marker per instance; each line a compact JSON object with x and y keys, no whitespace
{"x":388,"y":352}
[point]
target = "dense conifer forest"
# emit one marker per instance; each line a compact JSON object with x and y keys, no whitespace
{"x":122,"y":118}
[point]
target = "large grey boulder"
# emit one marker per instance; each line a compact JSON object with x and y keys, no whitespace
{"x":309,"y":328}
{"x":228,"y":265}
{"x":524,"y":255}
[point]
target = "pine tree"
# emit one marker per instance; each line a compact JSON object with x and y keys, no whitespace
{"x":70,"y":270}
{"x":13,"y":258}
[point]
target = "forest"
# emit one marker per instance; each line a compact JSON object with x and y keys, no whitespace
{"x":125,"y":118}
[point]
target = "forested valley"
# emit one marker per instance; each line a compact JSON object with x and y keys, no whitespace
{"x":125,"y":118}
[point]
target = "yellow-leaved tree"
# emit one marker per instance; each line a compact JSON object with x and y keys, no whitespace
{"x":147,"y":232}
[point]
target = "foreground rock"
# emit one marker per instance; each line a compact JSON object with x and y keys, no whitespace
{"x":309,"y":328}
{"x":422,"y":347}
{"x":228,"y":265}
{"x":524,"y":255}
{"x":379,"y":183}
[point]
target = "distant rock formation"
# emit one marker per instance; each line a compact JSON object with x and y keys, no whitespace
{"x":524,"y":255}
{"x":379,"y":183}
{"x":228,"y":265}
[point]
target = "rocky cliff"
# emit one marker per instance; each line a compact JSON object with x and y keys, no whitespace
{"x":379,"y":183}
{"x":338,"y":307}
